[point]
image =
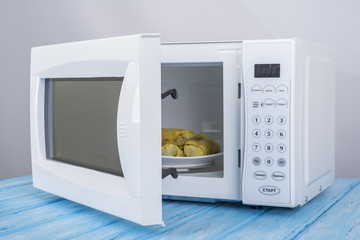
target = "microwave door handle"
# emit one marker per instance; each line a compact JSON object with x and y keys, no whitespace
{"x":172,"y":92}
{"x":169,"y":171}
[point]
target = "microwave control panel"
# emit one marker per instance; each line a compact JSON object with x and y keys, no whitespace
{"x":267,"y":82}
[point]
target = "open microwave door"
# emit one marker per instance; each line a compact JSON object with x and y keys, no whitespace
{"x":96,"y":124}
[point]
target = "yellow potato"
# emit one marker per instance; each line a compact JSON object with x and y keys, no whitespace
{"x":201,"y":146}
{"x":170,"y":149}
{"x":176,"y":136}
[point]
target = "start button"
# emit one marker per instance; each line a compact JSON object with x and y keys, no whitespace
{"x":269,"y":190}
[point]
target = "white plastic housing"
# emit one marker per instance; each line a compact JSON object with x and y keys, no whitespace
{"x":304,"y":94}
{"x":307,"y":72}
{"x":137,"y":195}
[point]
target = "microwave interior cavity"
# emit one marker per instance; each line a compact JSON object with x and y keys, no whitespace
{"x":81,"y":122}
{"x":198,"y":107}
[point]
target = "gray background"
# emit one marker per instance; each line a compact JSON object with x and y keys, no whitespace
{"x":25,"y":24}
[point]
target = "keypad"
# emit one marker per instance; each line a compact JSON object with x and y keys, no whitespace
{"x":269,"y":132}
{"x":268,"y":123}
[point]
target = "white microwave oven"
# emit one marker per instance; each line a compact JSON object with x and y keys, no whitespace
{"x":98,"y":107}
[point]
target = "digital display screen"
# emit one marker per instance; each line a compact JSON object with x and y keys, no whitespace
{"x":267,"y":70}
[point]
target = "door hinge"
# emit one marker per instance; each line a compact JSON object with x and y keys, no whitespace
{"x":239,"y":158}
{"x":239,"y":90}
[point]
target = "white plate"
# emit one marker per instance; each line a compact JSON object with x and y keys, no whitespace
{"x":189,"y":162}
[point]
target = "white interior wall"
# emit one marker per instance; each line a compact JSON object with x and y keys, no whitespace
{"x":25,"y":24}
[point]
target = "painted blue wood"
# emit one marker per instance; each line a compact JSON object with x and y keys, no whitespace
{"x":173,"y":213}
{"x":26,"y":212}
{"x":225,"y":222}
{"x":14,"y":182}
{"x":283,"y":223}
{"x":341,"y":221}
{"x":22,"y":203}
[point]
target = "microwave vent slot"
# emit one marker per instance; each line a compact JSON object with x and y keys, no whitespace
{"x":122,"y":129}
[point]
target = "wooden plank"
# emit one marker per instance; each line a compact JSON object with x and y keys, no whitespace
{"x":52,"y":217}
{"x":282,"y":223}
{"x":209,"y":223}
{"x":26,"y":202}
{"x":173,"y":213}
{"x":76,"y":220}
{"x":46,"y":212}
{"x":54,"y":221}
{"x":37,"y":216}
{"x":14,"y":182}
{"x":341,"y":221}
{"x":236,"y":221}
{"x":18,"y":191}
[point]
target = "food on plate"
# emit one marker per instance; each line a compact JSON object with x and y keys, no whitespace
{"x":201,"y":146}
{"x":170,"y":149}
{"x":182,"y":143}
{"x":176,"y":136}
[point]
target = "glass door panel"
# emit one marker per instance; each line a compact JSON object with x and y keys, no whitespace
{"x":81,"y":117}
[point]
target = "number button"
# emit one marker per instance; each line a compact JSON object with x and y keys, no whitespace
{"x":256,"y":147}
{"x":281,"y":148}
{"x":269,"y":120}
{"x":269,"y":161}
{"x":269,"y":147}
{"x":256,"y":119}
{"x":269,"y":133}
{"x":281,"y":134}
{"x":256,"y":133}
{"x":281,"y":120}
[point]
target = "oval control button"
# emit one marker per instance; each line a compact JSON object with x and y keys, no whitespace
{"x":269,"y":89}
{"x":268,"y":103}
{"x":256,"y":89}
{"x":261,"y":175}
{"x":281,"y":103}
{"x":278,"y":176}
{"x":269,"y":190}
{"x":281,"y":89}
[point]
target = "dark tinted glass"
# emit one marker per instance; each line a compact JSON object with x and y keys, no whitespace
{"x":80,"y":117}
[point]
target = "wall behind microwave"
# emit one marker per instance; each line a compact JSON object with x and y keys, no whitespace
{"x":25,"y":24}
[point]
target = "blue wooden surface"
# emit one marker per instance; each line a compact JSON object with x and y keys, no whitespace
{"x":28,"y":213}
